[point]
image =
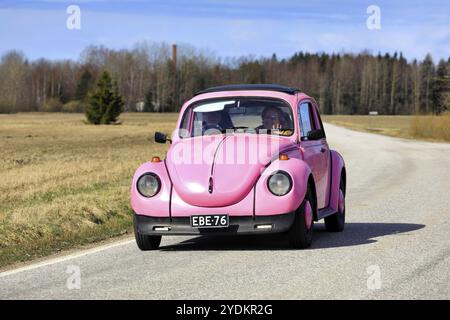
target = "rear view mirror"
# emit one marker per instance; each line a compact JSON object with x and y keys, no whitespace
{"x":234,"y":110}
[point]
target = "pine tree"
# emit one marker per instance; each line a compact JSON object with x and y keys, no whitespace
{"x":441,"y":89}
{"x":84,"y":85}
{"x":104,"y":104}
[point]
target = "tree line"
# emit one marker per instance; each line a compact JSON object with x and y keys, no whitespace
{"x":147,"y":79}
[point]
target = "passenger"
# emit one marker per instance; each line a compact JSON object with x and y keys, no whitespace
{"x":272,"y":118}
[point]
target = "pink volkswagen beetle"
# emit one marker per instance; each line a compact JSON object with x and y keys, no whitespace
{"x":243,"y":159}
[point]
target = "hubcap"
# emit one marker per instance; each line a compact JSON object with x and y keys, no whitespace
{"x":341,"y":202}
{"x":308,"y":214}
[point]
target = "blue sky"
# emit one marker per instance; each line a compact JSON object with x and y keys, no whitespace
{"x":228,"y":27}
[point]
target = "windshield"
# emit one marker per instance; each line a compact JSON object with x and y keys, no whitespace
{"x":247,"y":115}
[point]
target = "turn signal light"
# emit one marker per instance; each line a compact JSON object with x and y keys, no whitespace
{"x":156,"y":159}
{"x":283,"y":157}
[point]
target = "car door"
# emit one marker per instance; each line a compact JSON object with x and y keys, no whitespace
{"x":316,"y":152}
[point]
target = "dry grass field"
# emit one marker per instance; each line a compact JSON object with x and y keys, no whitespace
{"x":64,"y":183}
{"x":431,"y":128}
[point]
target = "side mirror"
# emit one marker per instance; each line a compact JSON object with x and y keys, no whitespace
{"x":161,"y":137}
{"x":315,"y":134}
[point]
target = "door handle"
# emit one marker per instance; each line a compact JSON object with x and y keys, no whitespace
{"x":322,"y":150}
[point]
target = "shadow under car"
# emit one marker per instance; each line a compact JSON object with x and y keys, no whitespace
{"x":354,"y":234}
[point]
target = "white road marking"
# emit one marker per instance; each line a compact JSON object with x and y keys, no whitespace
{"x":66,"y":258}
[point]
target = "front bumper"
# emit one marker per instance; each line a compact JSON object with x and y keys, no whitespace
{"x":237,"y":225}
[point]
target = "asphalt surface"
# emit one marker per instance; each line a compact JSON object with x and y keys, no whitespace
{"x":396,"y":244}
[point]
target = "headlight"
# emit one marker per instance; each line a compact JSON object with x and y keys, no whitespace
{"x":279,"y":183}
{"x":148,"y":185}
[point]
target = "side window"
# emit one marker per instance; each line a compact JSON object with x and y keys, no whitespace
{"x":319,"y":124}
{"x":316,"y":117}
{"x":185,"y":125}
{"x":306,"y":123}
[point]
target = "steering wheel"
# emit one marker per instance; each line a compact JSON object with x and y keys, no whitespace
{"x":213,"y":128}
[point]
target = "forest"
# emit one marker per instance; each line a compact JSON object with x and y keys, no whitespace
{"x":150,"y":78}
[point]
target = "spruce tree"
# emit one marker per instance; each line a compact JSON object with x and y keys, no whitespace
{"x":84,"y":85}
{"x":441,"y":89}
{"x":104,"y":104}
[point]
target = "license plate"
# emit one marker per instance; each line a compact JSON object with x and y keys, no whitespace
{"x":210,"y":221}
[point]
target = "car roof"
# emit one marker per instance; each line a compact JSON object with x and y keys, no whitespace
{"x":245,"y":87}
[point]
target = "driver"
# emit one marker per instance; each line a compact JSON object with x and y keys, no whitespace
{"x":212,"y":120}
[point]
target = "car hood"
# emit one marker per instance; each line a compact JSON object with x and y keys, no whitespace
{"x":220,"y":170}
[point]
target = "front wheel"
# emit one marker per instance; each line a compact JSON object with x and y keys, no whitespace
{"x":301,"y":232}
{"x":143,"y":241}
{"x":336,"y":222}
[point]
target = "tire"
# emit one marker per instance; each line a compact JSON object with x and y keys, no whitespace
{"x":145,"y":242}
{"x":336,"y":222}
{"x":300,"y":234}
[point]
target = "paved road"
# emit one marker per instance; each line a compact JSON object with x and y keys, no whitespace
{"x":396,"y":244}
